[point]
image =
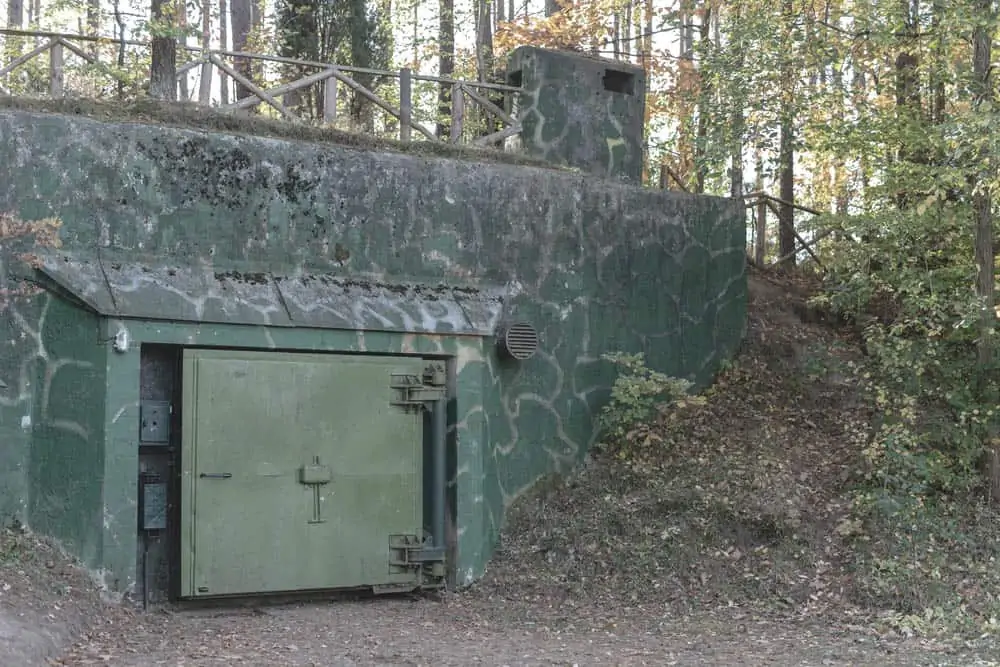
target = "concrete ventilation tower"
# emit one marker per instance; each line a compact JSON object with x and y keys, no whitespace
{"x":580,"y":111}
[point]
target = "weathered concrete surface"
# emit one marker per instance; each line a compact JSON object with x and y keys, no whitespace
{"x":580,"y":111}
{"x":595,"y":265}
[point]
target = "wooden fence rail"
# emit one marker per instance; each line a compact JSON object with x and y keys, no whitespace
{"x":761,"y":202}
{"x":495,"y":125}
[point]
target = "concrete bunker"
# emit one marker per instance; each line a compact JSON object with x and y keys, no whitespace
{"x":272,"y":467}
{"x":238,"y":329}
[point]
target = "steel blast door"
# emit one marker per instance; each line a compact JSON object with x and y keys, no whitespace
{"x":296,"y":470}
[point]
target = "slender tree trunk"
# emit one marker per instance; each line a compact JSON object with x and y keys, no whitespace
{"x":163,"y":69}
{"x":982,"y":87}
{"x":224,"y":46}
{"x":241,"y":14}
{"x":415,"y":65}
{"x":704,"y":99}
{"x":486,"y":65}
{"x":93,"y":24}
{"x":361,"y":56}
{"x":180,"y":7}
{"x":206,"y":29}
{"x":627,"y":25}
{"x":93,"y":17}
{"x":15,"y":13}
{"x":786,"y":217}
{"x":737,"y":122}
{"x":760,"y":246}
{"x":647,"y":36}
{"x":616,"y":34}
{"x":938,"y":90}
{"x":446,"y":63}
{"x":786,"y":153}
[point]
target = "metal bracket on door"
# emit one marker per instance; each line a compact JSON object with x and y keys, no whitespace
{"x":416,"y":391}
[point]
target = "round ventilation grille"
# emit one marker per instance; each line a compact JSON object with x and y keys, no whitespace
{"x":518,"y":341}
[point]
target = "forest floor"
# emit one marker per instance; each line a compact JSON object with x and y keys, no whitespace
{"x":718,"y":542}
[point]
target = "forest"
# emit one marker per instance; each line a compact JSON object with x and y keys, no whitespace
{"x":859,"y":133}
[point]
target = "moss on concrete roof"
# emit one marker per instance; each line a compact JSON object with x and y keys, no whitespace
{"x":192,"y":116}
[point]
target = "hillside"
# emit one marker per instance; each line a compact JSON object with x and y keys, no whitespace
{"x":745,"y":503}
{"x":736,"y":500}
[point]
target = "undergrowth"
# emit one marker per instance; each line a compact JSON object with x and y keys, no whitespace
{"x":926,"y":536}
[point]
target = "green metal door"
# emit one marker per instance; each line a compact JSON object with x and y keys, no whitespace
{"x":296,"y":470}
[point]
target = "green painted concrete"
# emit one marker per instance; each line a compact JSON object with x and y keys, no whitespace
{"x":581,"y":112}
{"x":595,"y":265}
{"x":66,"y":458}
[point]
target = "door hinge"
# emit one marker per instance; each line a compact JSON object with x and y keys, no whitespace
{"x":409,"y":551}
{"x":416,"y":391}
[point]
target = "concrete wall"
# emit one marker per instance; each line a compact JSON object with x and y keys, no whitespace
{"x":595,"y":265}
{"x":579,"y":111}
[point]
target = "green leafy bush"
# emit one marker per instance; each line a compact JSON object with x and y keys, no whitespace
{"x":638,"y":395}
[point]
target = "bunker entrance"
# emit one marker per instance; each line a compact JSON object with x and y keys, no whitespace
{"x":296,"y":472}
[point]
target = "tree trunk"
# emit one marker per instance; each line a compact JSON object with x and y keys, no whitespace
{"x":15,"y":13}
{"x":737,"y":122}
{"x":163,"y":68}
{"x":786,"y":152}
{"x":484,"y":40}
{"x":486,"y":64}
{"x":760,"y":245}
{"x":180,"y":7}
{"x":704,"y":100}
{"x":551,"y":7}
{"x":446,"y":63}
{"x":206,"y":30}
{"x":982,"y":88}
{"x":627,"y":27}
{"x":93,"y":17}
{"x":224,"y":46}
{"x":361,"y":56}
{"x":616,"y":35}
{"x":647,"y":36}
{"x":786,"y":217}
{"x":241,"y":14}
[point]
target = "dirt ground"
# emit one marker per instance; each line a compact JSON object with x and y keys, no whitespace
{"x":459,"y":631}
{"x":51,"y":613}
{"x":717,"y":544}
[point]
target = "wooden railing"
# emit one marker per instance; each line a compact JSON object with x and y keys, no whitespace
{"x":105,"y":66}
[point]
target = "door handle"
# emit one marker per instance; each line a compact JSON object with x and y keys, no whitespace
{"x":216,"y":475}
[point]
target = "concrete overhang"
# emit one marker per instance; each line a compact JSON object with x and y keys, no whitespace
{"x":210,"y":294}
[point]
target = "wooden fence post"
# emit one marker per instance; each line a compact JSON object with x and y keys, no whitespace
{"x":405,"y":104}
{"x":760,"y":240}
{"x":56,"y":70}
{"x":457,"y":112}
{"x":205,"y":84}
{"x":330,"y":101}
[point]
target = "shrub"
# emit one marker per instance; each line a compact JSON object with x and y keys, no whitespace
{"x":638,"y":395}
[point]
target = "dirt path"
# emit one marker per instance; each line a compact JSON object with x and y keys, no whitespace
{"x":457,"y":631}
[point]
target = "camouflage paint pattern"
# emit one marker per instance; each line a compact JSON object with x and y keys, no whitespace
{"x":190,"y":238}
{"x":579,"y":111}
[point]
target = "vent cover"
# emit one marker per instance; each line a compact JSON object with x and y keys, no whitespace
{"x":518,"y":340}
